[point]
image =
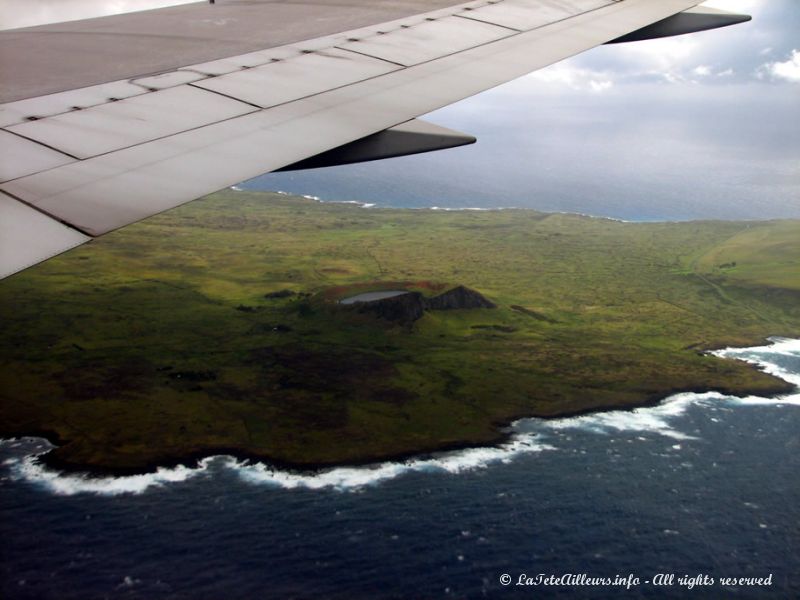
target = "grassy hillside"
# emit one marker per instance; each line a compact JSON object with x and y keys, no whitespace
{"x":166,"y":340}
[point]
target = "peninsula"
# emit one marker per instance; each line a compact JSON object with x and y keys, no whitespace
{"x":219,"y":328}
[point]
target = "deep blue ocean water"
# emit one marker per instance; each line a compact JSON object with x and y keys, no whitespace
{"x":701,"y":485}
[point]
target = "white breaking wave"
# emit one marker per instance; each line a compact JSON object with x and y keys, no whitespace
{"x":353,"y":478}
{"x":600,"y":217}
{"x":341,"y":478}
{"x":29,"y":469}
{"x":530,"y":437}
{"x":523,"y":208}
{"x":321,"y":201}
{"x":654,"y":419}
{"x":464,"y":208}
{"x":356,"y":202}
{"x":759,"y":355}
{"x":658,"y":419}
{"x":779,"y":346}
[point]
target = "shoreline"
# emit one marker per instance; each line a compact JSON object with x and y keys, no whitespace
{"x":366,"y":204}
{"x":234,"y":344}
{"x":504,"y":435}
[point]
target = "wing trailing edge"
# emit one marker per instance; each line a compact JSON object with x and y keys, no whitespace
{"x":28,"y":236}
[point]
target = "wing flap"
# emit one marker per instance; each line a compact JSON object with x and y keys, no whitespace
{"x":21,"y":157}
{"x":28,"y":237}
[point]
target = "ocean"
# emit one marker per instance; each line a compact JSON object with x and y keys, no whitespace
{"x":645,"y":153}
{"x":659,"y":502}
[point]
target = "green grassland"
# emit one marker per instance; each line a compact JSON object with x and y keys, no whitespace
{"x":161,"y":342}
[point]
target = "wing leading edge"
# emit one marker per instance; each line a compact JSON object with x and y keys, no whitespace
{"x":94,"y":161}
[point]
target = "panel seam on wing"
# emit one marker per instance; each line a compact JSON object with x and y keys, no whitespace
{"x":46,"y":214}
{"x":47,"y":256}
{"x":514,"y":29}
{"x":224,"y":95}
{"x":386,"y":60}
{"x":40,"y":143}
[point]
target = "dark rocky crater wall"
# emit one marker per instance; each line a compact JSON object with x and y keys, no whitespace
{"x":407,"y":308}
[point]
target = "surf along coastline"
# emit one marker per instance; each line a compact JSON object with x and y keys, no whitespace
{"x":586,"y":315}
{"x":512,"y":442}
{"x":345,"y":478}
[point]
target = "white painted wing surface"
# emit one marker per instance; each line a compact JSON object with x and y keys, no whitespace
{"x":80,"y":163}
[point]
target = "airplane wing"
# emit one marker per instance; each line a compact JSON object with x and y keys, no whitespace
{"x":107,"y":121}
